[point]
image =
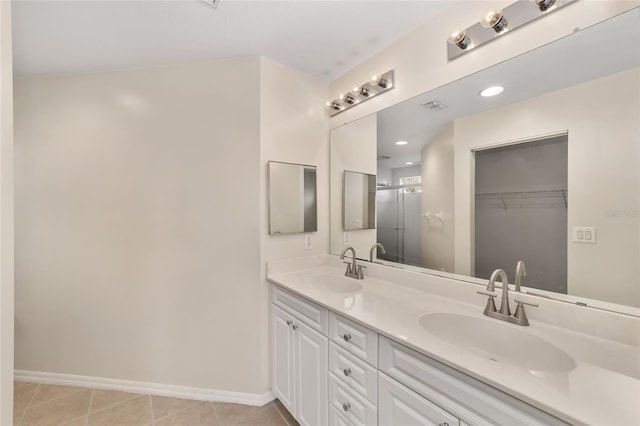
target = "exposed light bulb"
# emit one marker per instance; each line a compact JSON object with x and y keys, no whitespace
{"x":544,"y":5}
{"x":402,"y":143}
{"x":409,"y":163}
{"x":460,"y":39}
{"x":361,"y":91}
{"x":379,"y":81}
{"x":333,"y":105}
{"x":493,"y":18}
{"x":348,"y":99}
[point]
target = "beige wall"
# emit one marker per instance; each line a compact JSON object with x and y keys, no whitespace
{"x":602,"y":119}
{"x":437,"y":196}
{"x":420,"y":58}
{"x":6,"y":217}
{"x":293,"y":128}
{"x":138,"y":206}
{"x":353,"y":148}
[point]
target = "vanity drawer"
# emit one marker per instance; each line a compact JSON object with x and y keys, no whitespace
{"x":337,"y":419}
{"x":472,"y":401}
{"x":311,"y":314}
{"x":355,"y":409}
{"x":400,"y":406}
{"x":355,"y":338}
{"x":353,"y":371}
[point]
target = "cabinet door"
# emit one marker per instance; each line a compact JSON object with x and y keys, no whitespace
{"x":311,"y":353}
{"x":282,"y":368}
{"x":399,"y":406}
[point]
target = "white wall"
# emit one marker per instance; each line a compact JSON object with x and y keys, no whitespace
{"x":420,"y":60}
{"x":6,"y":217}
{"x":293,"y":128}
{"x":138,"y":207}
{"x":602,"y":118}
{"x":353,"y":148}
{"x":437,"y":196}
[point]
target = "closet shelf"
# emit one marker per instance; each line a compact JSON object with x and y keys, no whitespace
{"x":553,"y":198}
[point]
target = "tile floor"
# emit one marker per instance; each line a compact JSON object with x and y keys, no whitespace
{"x":43,"y":405}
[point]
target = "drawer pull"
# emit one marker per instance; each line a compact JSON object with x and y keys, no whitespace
{"x":346,"y":337}
{"x":346,"y":371}
{"x":346,"y":406}
{"x":289,"y":322}
{"x":295,"y":326}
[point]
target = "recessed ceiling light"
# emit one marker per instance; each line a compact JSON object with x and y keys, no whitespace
{"x":402,"y":143}
{"x":491,"y":91}
{"x":408,"y":163}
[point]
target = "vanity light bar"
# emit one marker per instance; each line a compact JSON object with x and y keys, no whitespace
{"x":495,"y":23}
{"x":372,"y":88}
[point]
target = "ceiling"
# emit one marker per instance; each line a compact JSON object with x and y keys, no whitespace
{"x":589,"y":54}
{"x":321,"y":38}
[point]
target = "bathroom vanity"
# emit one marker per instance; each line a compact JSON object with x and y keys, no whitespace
{"x":400,"y":347}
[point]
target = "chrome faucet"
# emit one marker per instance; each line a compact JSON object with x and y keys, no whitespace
{"x":520,"y":272}
{"x":373,"y":249}
{"x":353,"y":270}
{"x":520,"y":317}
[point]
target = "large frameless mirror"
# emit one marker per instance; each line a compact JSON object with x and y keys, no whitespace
{"x":547,"y":171}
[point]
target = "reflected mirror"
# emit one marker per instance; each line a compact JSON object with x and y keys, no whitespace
{"x":547,"y":172}
{"x":358,"y":201}
{"x":292,"y":198}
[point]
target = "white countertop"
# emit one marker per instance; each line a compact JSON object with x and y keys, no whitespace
{"x":602,"y":389}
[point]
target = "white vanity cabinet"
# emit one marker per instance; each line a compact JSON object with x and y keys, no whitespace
{"x":300,"y":357}
{"x":330,"y":370}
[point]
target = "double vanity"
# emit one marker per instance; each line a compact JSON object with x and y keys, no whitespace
{"x":399,"y":347}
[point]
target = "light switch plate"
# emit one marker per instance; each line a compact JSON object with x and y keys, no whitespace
{"x":308,"y":242}
{"x":584,"y":234}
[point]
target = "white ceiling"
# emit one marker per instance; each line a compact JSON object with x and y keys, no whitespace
{"x":606,"y":48}
{"x":322,"y":38}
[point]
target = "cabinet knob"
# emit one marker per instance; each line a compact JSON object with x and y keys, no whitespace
{"x":444,"y":424}
{"x":346,"y":337}
{"x":289,"y":322}
{"x":346,"y":371}
{"x":295,"y":326}
{"x":346,"y":406}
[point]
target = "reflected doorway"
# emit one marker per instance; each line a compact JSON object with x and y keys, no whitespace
{"x":521,"y":202}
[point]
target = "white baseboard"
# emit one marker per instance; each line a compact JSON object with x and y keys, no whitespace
{"x":185,"y":392}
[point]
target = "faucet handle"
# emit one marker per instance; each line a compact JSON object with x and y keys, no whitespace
{"x":349,"y":269}
{"x":358,"y":271}
{"x":487,"y":293}
{"x":520,"y":316}
{"x":520,"y":303}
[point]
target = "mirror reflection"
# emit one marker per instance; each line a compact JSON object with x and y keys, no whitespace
{"x":292,"y":198}
{"x":359,"y":201}
{"x":546,"y":171}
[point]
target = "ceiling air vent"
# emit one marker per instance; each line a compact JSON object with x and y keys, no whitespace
{"x":434,"y":106}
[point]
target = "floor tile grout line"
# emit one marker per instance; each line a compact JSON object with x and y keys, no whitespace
{"x":115,"y":403}
{"x":30,"y":401}
{"x":79,"y":389}
{"x":176,"y":412}
{"x":86,"y":421}
{"x":153,"y":416}
{"x":279,"y":410}
{"x":215,"y":413}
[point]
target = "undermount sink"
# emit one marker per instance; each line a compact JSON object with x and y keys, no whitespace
{"x":333,"y":283}
{"x":498,"y":342}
